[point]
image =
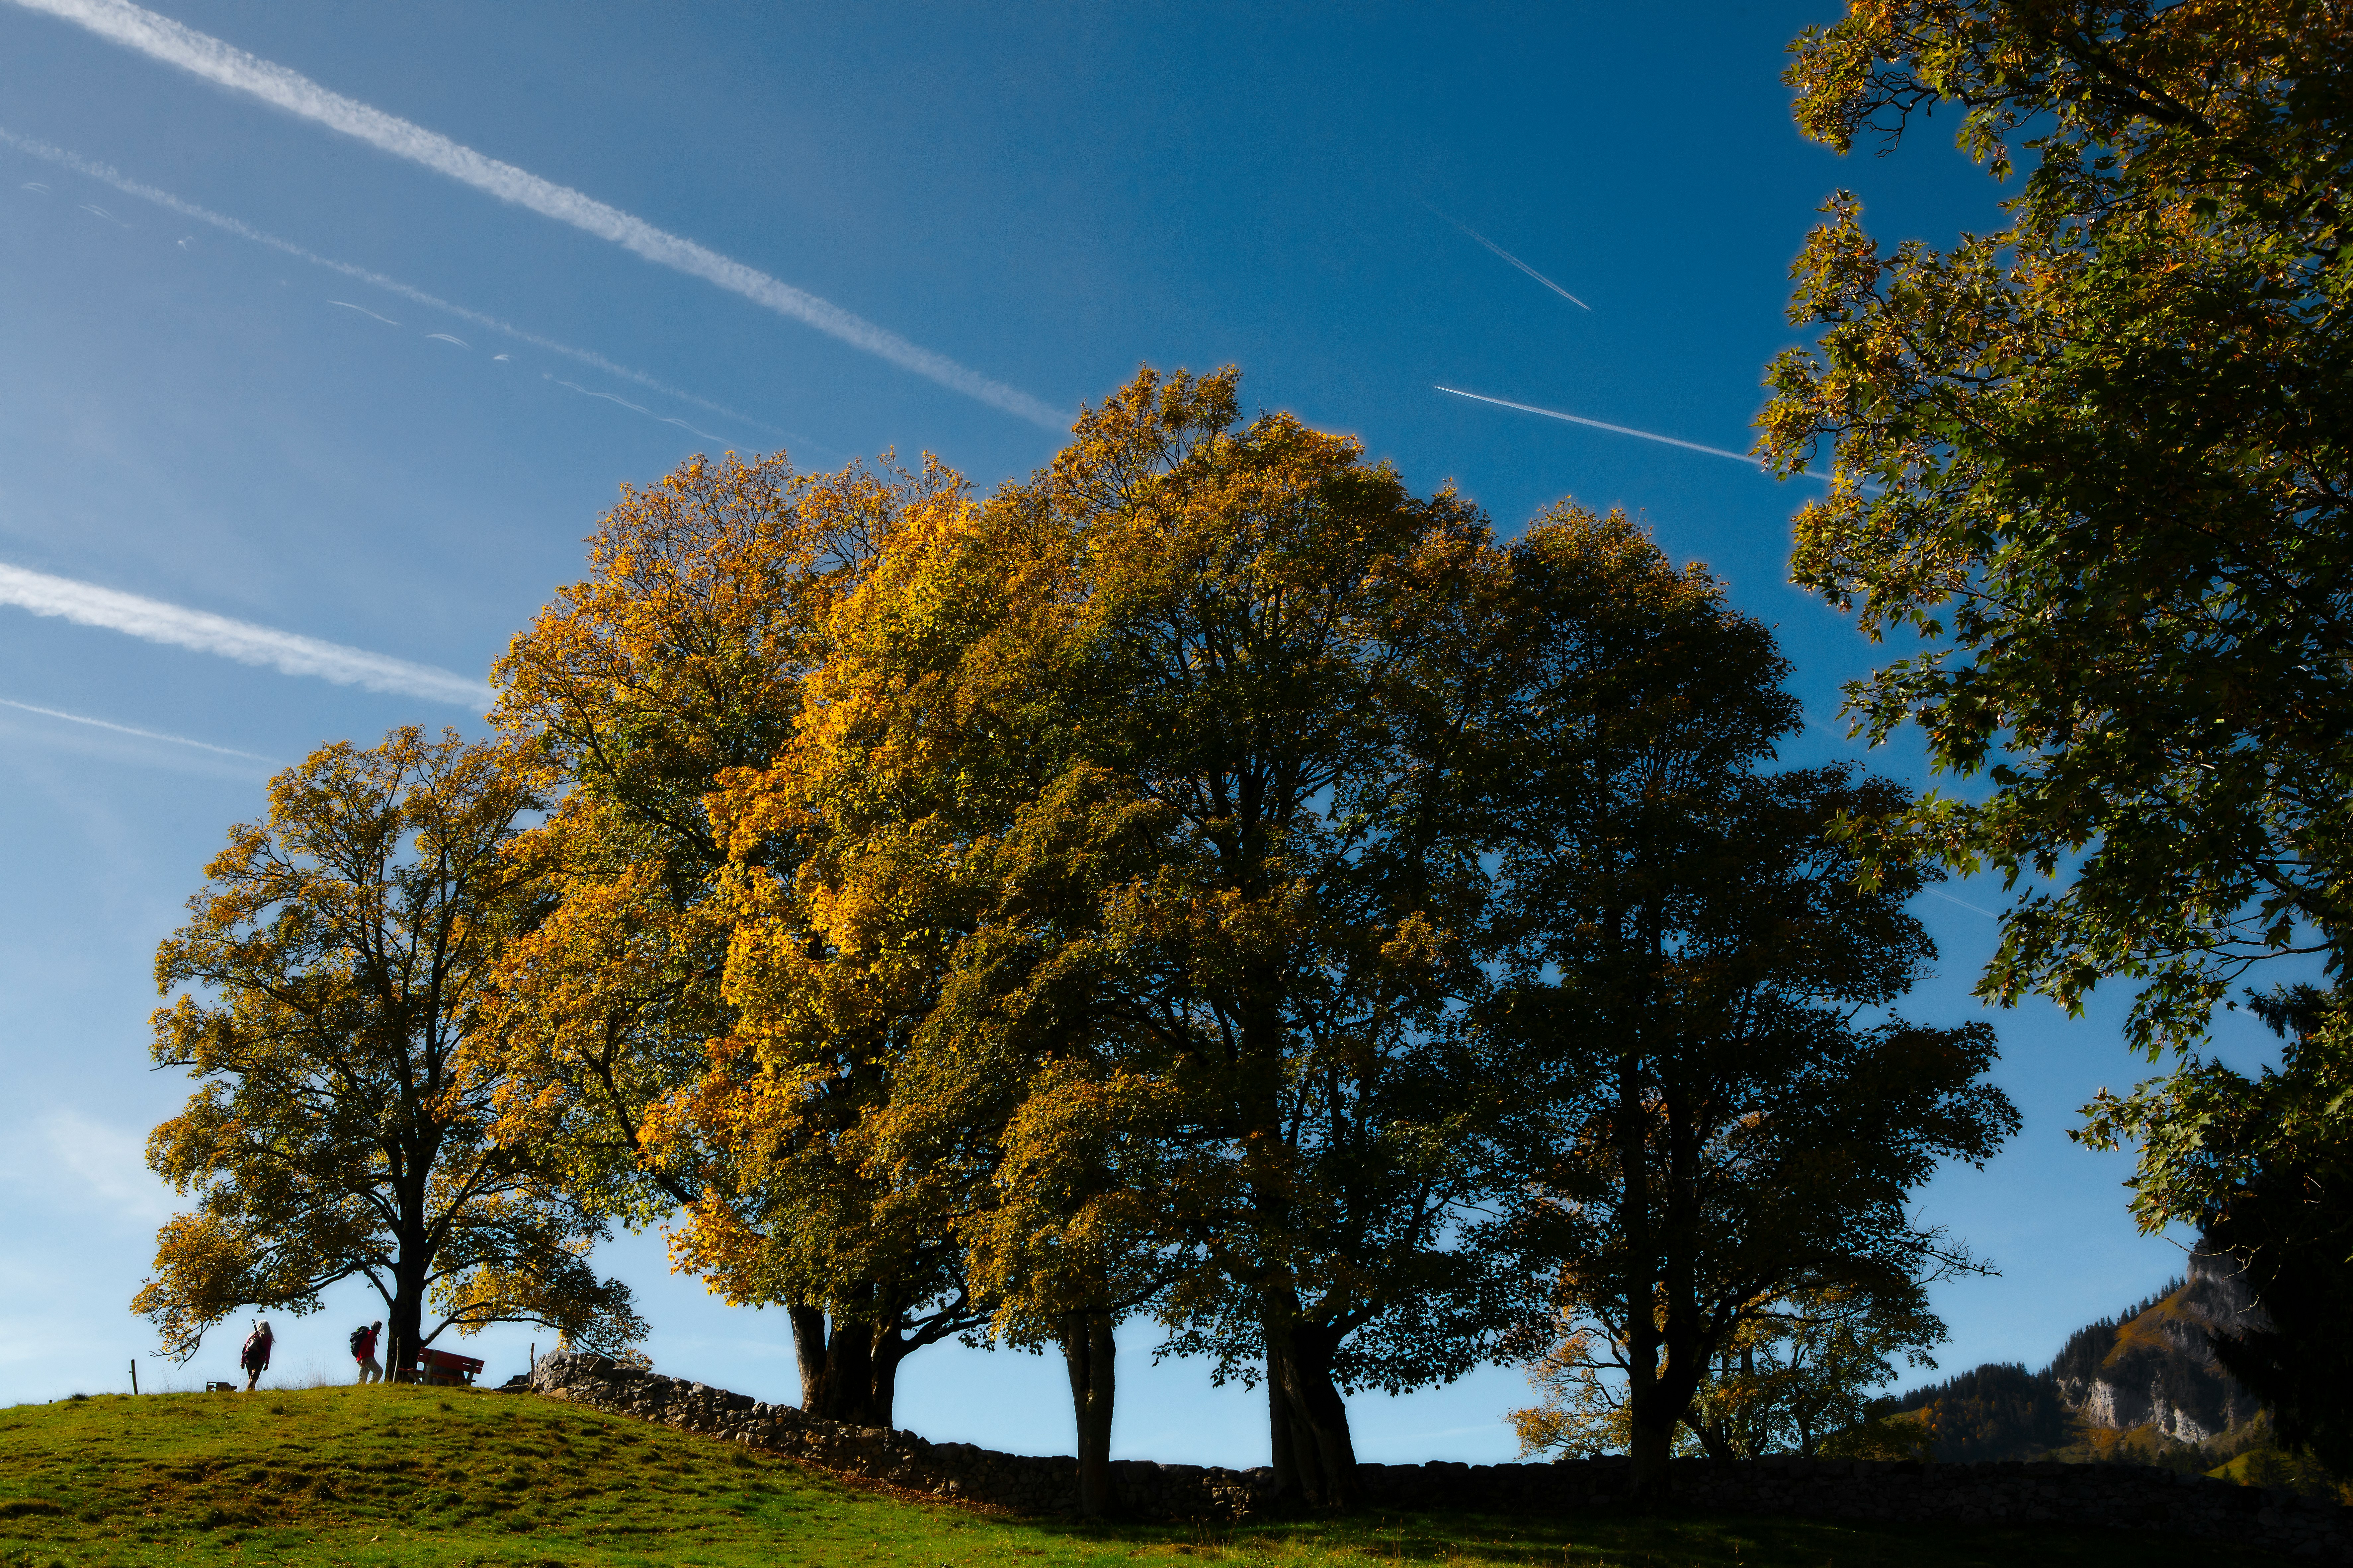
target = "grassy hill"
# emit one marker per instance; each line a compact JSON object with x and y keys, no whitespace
{"x":435,"y":1477}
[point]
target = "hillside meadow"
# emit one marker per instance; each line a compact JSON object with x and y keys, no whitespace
{"x":435,"y":1477}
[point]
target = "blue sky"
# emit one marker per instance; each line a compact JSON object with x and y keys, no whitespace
{"x":1043,"y":195}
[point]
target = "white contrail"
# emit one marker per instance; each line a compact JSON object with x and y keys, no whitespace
{"x":446,"y":338}
{"x":606,"y":395}
{"x":1963,"y":903}
{"x":106,"y":175}
{"x":128,"y":729}
{"x":162,"y":38}
{"x":87,"y":604}
{"x":1597,"y":425}
{"x":363,"y":310}
{"x":1626,"y":430}
{"x":1513,"y":259}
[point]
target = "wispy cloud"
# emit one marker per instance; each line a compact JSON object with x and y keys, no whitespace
{"x":131,"y":729}
{"x":1515,"y":260}
{"x":632,"y":407}
{"x":162,"y":38}
{"x":107,"y":174}
{"x":446,"y":338}
{"x":110,"y":1163}
{"x":87,"y":604}
{"x":101,"y":212}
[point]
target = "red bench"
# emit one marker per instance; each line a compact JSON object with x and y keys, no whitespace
{"x":445,"y":1369}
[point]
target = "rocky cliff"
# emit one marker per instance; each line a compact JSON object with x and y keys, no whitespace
{"x":2156,"y":1367}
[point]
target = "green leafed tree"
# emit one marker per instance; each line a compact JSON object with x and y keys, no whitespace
{"x":1269,"y":648}
{"x":2092,"y":470}
{"x":335,"y":962}
{"x":1714,"y":1111}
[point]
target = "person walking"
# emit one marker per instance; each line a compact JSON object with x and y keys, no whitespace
{"x":255,"y":1356}
{"x":363,"y":1351}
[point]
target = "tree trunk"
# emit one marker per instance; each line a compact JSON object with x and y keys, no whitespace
{"x":849,"y":1370}
{"x":885,"y":1350}
{"x":1658,"y":1402}
{"x":1716,"y":1440}
{"x":1088,"y":1350}
{"x":404,"y":1315}
{"x":1306,"y":1412}
{"x":1651,"y":1445}
{"x":1650,"y":1412}
{"x":809,"y":1349}
{"x":1282,"y":1457}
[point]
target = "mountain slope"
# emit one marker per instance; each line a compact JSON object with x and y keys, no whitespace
{"x":2149,"y":1372}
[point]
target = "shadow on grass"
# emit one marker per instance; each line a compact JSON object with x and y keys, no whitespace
{"x":1621,"y":1538}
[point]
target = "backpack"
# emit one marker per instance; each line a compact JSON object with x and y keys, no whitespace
{"x":359,"y":1342}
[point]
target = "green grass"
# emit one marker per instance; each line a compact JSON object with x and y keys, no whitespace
{"x":451,"y":1476}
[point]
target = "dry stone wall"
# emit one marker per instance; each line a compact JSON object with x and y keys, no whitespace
{"x":2119,"y":1497}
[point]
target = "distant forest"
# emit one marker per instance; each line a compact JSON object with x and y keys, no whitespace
{"x":1999,"y":1411}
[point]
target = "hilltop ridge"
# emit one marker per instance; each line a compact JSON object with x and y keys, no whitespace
{"x":429,"y":1477}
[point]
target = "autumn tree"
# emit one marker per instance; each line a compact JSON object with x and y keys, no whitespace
{"x":342,"y":951}
{"x":1792,"y":1376}
{"x":2095,"y":464}
{"x":1706,"y":1127}
{"x":1268,"y":636}
{"x":915,"y":990}
{"x":1124,"y":890}
{"x":684,"y":655}
{"x":1059,"y":1122}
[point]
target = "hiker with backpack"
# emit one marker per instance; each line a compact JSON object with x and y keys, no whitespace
{"x":255,"y":1356}
{"x":363,"y":1351}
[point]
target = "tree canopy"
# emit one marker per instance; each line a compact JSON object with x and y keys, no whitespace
{"x":2097,"y":463}
{"x":1204,"y":880}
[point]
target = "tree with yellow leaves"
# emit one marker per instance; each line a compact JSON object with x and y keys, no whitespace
{"x":1275,"y":639}
{"x":344,"y":947}
{"x":685,"y":655}
{"x":915,"y":992}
